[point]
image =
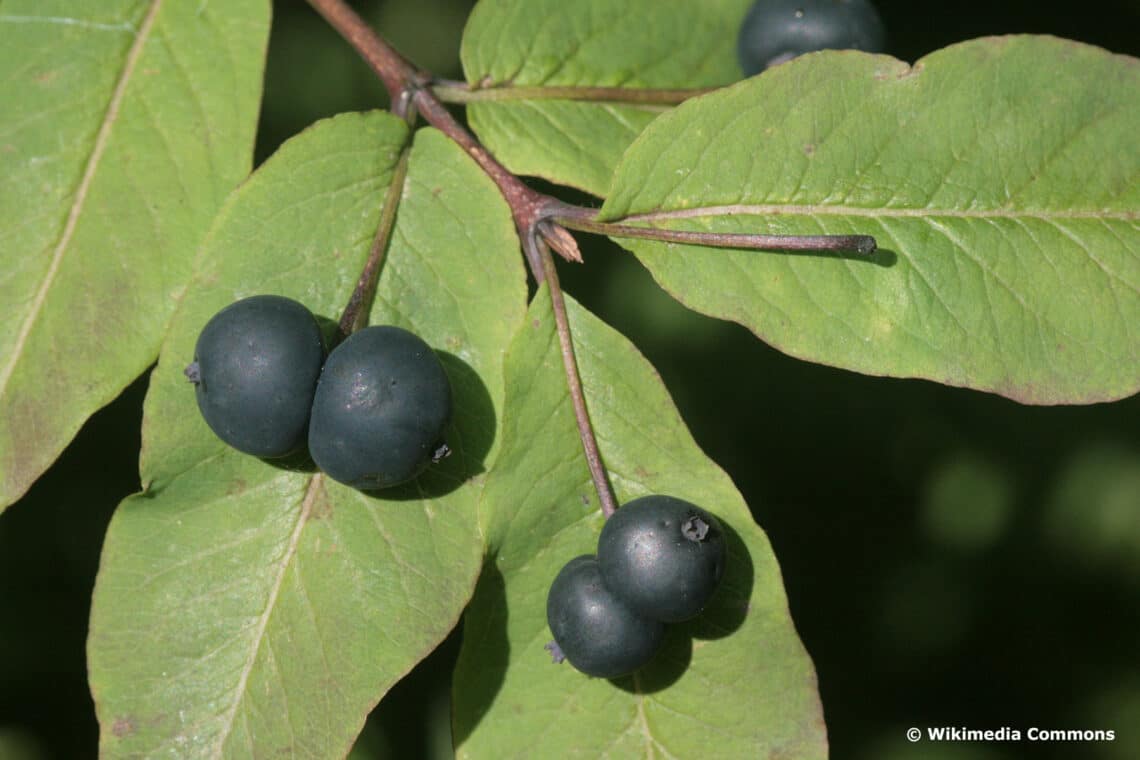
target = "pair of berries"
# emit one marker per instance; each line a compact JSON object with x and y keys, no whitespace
{"x":659,"y":560}
{"x":372,"y":413}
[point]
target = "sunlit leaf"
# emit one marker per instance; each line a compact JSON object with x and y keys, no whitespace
{"x":735,"y":682}
{"x":999,"y":177}
{"x":512,"y":48}
{"x":245,"y":609}
{"x":124,"y":125}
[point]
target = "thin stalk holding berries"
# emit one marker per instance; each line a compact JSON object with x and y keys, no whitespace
{"x":574,"y":380}
{"x":355,"y":315}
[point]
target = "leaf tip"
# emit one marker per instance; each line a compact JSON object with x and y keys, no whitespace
{"x":865,"y":245}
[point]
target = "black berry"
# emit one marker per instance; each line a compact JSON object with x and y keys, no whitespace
{"x":380,"y":409}
{"x":775,"y":31}
{"x":255,"y":370}
{"x":598,"y":634}
{"x":662,"y":556}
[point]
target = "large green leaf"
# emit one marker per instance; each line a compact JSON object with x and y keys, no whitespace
{"x":124,"y":125}
{"x":513,"y":47}
{"x":243,"y":609}
{"x":999,"y":176}
{"x":735,"y":682}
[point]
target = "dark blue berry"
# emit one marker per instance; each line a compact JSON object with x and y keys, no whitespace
{"x":662,"y":556}
{"x":255,"y":370}
{"x":592,"y":629}
{"x":775,"y":31}
{"x":380,"y":409}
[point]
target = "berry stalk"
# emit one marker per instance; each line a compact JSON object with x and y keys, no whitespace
{"x":355,"y":315}
{"x":577,"y":395}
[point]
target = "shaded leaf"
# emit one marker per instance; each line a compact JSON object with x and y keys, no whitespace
{"x":737,"y":675}
{"x":124,"y":125}
{"x":511,"y":47}
{"x":999,"y":176}
{"x":245,"y":609}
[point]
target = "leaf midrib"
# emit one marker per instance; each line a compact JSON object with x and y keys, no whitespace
{"x":102,"y":137}
{"x":776,"y":209}
{"x":282,"y":569}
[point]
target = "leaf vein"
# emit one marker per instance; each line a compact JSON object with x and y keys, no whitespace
{"x":788,"y":209}
{"x":259,"y":633}
{"x":102,"y":138}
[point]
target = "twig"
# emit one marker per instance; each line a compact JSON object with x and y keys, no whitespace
{"x":406,"y":84}
{"x":574,"y":382}
{"x":395,"y":73}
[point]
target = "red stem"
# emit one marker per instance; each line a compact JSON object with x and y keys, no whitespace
{"x":407,"y":86}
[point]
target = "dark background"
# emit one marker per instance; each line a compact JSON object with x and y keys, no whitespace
{"x":951,"y":558}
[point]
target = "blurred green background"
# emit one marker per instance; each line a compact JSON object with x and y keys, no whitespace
{"x":951,"y":558}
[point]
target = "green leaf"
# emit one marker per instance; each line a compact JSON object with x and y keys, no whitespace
{"x":245,"y":609}
{"x":999,"y":176}
{"x":124,"y":125}
{"x":510,"y":48}
{"x":737,"y":675}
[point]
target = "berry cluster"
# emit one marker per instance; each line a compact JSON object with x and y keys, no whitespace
{"x":372,"y":412}
{"x":659,"y":561}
